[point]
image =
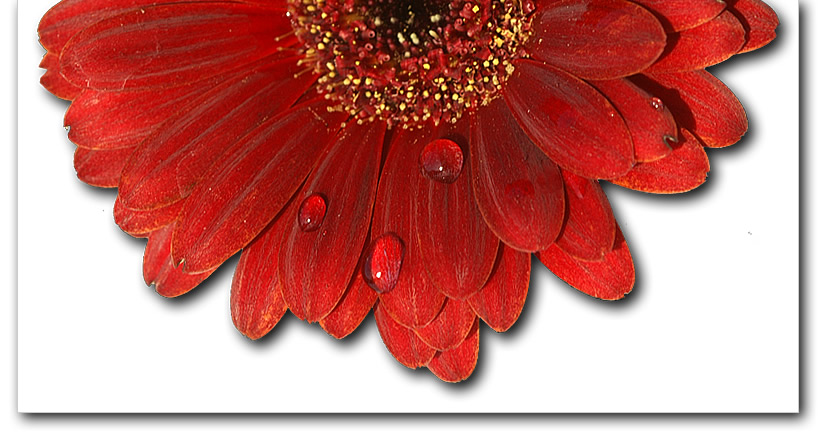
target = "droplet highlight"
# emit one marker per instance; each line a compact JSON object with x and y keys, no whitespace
{"x":382,"y":264}
{"x":441,"y":161}
{"x":312,"y":212}
{"x":656,"y":103}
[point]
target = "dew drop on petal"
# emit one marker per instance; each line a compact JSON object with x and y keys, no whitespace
{"x":442,"y":160}
{"x":382,"y":263}
{"x":670,"y":141}
{"x":312,"y":212}
{"x":656,"y":103}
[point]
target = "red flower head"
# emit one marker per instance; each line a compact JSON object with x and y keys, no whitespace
{"x":404,"y":156}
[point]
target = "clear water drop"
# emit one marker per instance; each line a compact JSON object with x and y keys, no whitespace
{"x":382,"y":264}
{"x":656,"y":103}
{"x":312,"y":212}
{"x":442,"y":160}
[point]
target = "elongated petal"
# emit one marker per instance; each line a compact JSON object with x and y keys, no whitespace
{"x":500,"y":302}
{"x":158,"y":269}
{"x":112,"y":120}
{"x":590,"y":228}
{"x":701,"y":104}
{"x":257,"y":304}
{"x":450,"y":327}
{"x":517,"y":187}
{"x":352,"y":308}
{"x":101,"y":168}
{"x":250,"y":184}
{"x":168,"y":165}
{"x":677,"y":15}
{"x":314,"y":274}
{"x":139,"y":222}
{"x":402,"y":342}
{"x":175,"y":43}
{"x":596,"y":39}
{"x":69,"y":17}
{"x":54,"y":82}
{"x":608,"y":279}
{"x":457,"y":364}
{"x":457,"y":246}
{"x":759,"y":20}
{"x":576,"y":126}
{"x":415,"y":300}
{"x":683,"y":170}
{"x":650,"y":123}
{"x":708,"y":44}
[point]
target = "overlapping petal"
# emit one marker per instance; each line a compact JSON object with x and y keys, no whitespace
{"x":250,"y":184}
{"x":314,"y":275}
{"x":257,"y":303}
{"x":501,"y":300}
{"x":683,"y":170}
{"x":517,"y":187}
{"x":216,"y":124}
{"x":459,"y":266}
{"x":596,"y":39}
{"x":415,"y":300}
{"x":701,"y":103}
{"x":159,"y":270}
{"x":610,"y":278}
{"x":573,"y":123}
{"x":177,"y":43}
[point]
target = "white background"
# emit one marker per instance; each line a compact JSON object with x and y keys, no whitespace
{"x":711,"y":326}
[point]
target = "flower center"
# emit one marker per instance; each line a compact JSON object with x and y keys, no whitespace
{"x":411,"y":61}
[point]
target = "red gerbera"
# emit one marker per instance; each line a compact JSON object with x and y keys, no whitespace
{"x":406,"y":156}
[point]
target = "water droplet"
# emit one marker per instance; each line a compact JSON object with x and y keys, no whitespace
{"x":312,"y":212}
{"x":670,"y":141}
{"x":383,"y":262}
{"x":442,"y":160}
{"x":656,"y":103}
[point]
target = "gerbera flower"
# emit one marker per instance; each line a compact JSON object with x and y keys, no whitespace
{"x":400,"y":156}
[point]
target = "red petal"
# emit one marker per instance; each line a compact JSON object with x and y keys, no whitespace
{"x":456,"y":245}
{"x":683,"y":170}
{"x":69,"y":17}
{"x":250,"y":184}
{"x":450,"y":327}
{"x":158,"y":270}
{"x":703,"y":46}
{"x":759,"y":20}
{"x":256,"y":293}
{"x":53,"y":81}
{"x":590,"y":228}
{"x":650,"y":123}
{"x":170,"y":44}
{"x":573,"y":123}
{"x":402,"y":342}
{"x":168,"y":165}
{"x":608,"y":279}
{"x":597,"y":39}
{"x":415,"y":301}
{"x":111,"y":120}
{"x":701,"y":104}
{"x":139,"y":222}
{"x":457,"y":364}
{"x":517,"y":187}
{"x":501,"y":300}
{"x":352,"y":308}
{"x":101,"y":168}
{"x":677,"y":15}
{"x":316,"y":267}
